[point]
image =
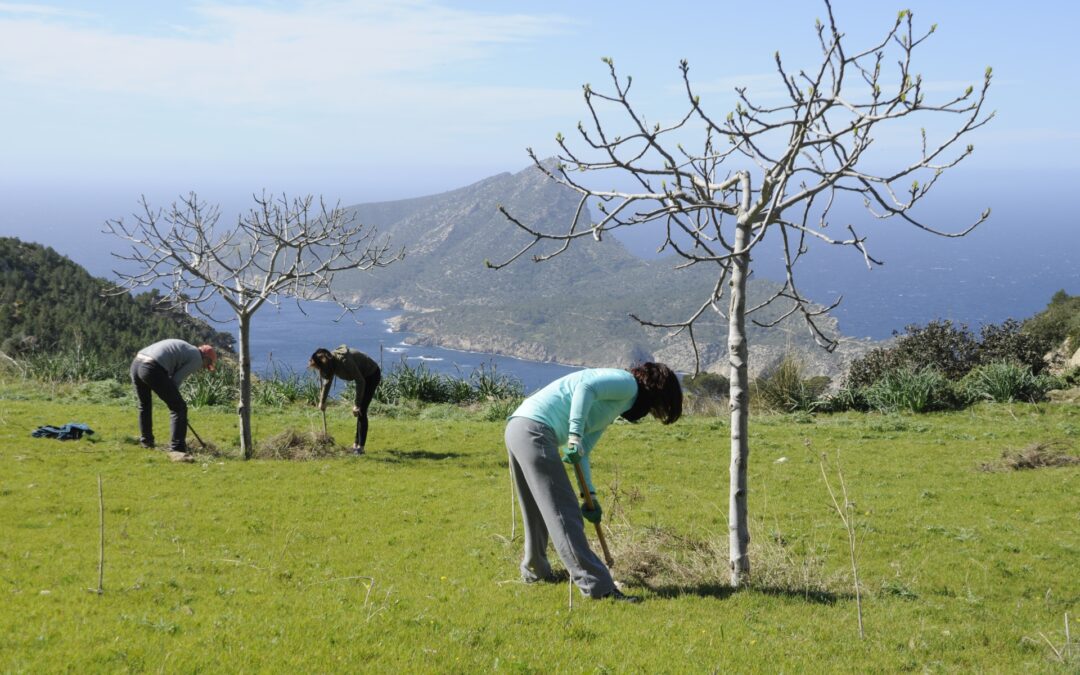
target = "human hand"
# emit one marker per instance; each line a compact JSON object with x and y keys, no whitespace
{"x":572,"y":453}
{"x":592,"y":515}
{"x":356,"y":411}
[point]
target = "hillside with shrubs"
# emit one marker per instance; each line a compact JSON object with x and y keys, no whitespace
{"x":56,"y":316}
{"x":939,"y":366}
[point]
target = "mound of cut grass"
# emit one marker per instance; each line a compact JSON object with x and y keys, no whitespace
{"x":296,"y":445}
{"x":1035,"y":456}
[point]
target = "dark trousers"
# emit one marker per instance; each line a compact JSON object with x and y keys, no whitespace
{"x":371,"y":383}
{"x":150,"y":377}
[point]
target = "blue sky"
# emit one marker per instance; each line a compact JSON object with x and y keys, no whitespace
{"x":362,"y":100}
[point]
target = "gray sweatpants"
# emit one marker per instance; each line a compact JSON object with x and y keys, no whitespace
{"x":549,"y":508}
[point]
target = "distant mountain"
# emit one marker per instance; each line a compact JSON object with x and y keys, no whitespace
{"x":48,"y":302}
{"x":572,"y":309}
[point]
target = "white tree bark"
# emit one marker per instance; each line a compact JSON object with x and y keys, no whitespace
{"x":738,"y":518}
{"x":281,"y":248}
{"x":805,"y":152}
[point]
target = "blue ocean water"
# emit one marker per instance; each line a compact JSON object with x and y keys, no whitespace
{"x":284,"y":338}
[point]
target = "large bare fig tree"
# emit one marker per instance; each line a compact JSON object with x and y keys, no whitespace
{"x":280,"y":248}
{"x":766,"y":176}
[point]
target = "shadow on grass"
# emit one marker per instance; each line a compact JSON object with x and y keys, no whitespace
{"x":724,"y":591}
{"x":394,"y":456}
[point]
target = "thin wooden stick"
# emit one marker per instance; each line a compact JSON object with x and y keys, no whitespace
{"x":849,"y":525}
{"x":100,"y":590}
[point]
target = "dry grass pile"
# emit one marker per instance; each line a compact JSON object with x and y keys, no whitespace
{"x":1034,"y":456}
{"x":205,"y":448}
{"x":298,"y":446}
{"x":661,"y":559}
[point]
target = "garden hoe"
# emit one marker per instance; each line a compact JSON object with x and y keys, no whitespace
{"x":590,"y":504}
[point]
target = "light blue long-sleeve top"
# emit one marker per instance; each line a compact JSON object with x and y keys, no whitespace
{"x":584,"y":404}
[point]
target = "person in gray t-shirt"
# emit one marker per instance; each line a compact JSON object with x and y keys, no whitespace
{"x":161,"y":368}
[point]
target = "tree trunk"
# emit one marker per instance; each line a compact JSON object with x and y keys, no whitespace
{"x":244,"y":409}
{"x":738,"y":525}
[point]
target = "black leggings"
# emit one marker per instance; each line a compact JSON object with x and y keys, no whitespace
{"x":370,"y":384}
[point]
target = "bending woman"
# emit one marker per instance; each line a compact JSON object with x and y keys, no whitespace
{"x":353,"y":366}
{"x":574,"y":411}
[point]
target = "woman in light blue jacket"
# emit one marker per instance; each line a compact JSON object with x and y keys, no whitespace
{"x":574,"y":411}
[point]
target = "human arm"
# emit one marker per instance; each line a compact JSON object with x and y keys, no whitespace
{"x":189,"y":362}
{"x":327,"y":382}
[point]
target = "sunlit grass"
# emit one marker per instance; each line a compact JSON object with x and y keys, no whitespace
{"x":401,"y":560}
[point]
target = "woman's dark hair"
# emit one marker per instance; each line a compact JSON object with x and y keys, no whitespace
{"x":321,"y":361}
{"x":659,"y":392}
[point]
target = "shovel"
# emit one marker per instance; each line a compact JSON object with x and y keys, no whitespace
{"x":591,"y":505}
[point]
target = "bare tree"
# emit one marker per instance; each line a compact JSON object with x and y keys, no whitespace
{"x":281,"y":248}
{"x":764,"y":169}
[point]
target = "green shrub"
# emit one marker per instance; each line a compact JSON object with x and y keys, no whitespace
{"x":206,"y":388}
{"x":1008,"y":342}
{"x":951,"y":350}
{"x":912,"y":390}
{"x":287,"y":386}
{"x":785,"y":389}
{"x":489,"y":385}
{"x":846,"y":398}
{"x":417,"y":383}
{"x":1005,"y":381}
{"x":709,"y":385}
{"x":1060,"y":320}
{"x":72,"y":365}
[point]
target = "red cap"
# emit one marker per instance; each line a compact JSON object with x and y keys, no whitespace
{"x":209,"y":356}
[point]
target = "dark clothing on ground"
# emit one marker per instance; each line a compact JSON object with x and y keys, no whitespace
{"x":161,"y":368}
{"x":357,"y":367}
{"x":72,"y":431}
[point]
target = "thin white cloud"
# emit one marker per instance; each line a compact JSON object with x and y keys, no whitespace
{"x":344,"y":53}
{"x":40,"y":10}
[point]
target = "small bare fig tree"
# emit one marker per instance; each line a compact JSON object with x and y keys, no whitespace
{"x":280,"y":248}
{"x":765,"y":175}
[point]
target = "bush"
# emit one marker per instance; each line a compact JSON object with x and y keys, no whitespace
{"x":1060,"y":320}
{"x":287,"y":386}
{"x":847,"y":398}
{"x":72,"y":365}
{"x":911,"y":390}
{"x":949,"y":349}
{"x":489,"y":385}
{"x":785,"y":389}
{"x":1007,"y":342}
{"x":1006,"y":381}
{"x":708,"y":385}
{"x":209,"y":388}
{"x":416,"y":383}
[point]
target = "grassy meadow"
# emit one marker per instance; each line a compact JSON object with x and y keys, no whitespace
{"x":405,"y":560}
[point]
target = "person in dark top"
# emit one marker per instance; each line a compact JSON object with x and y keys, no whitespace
{"x":353,"y":366}
{"x":161,"y":368}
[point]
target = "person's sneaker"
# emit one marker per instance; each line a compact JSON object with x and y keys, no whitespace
{"x":149,"y":445}
{"x":619,"y":596}
{"x":358,"y":450}
{"x":550,"y":578}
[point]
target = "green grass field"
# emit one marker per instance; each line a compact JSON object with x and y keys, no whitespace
{"x":402,"y":560}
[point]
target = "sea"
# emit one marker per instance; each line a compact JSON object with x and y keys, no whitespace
{"x":284,"y":337}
